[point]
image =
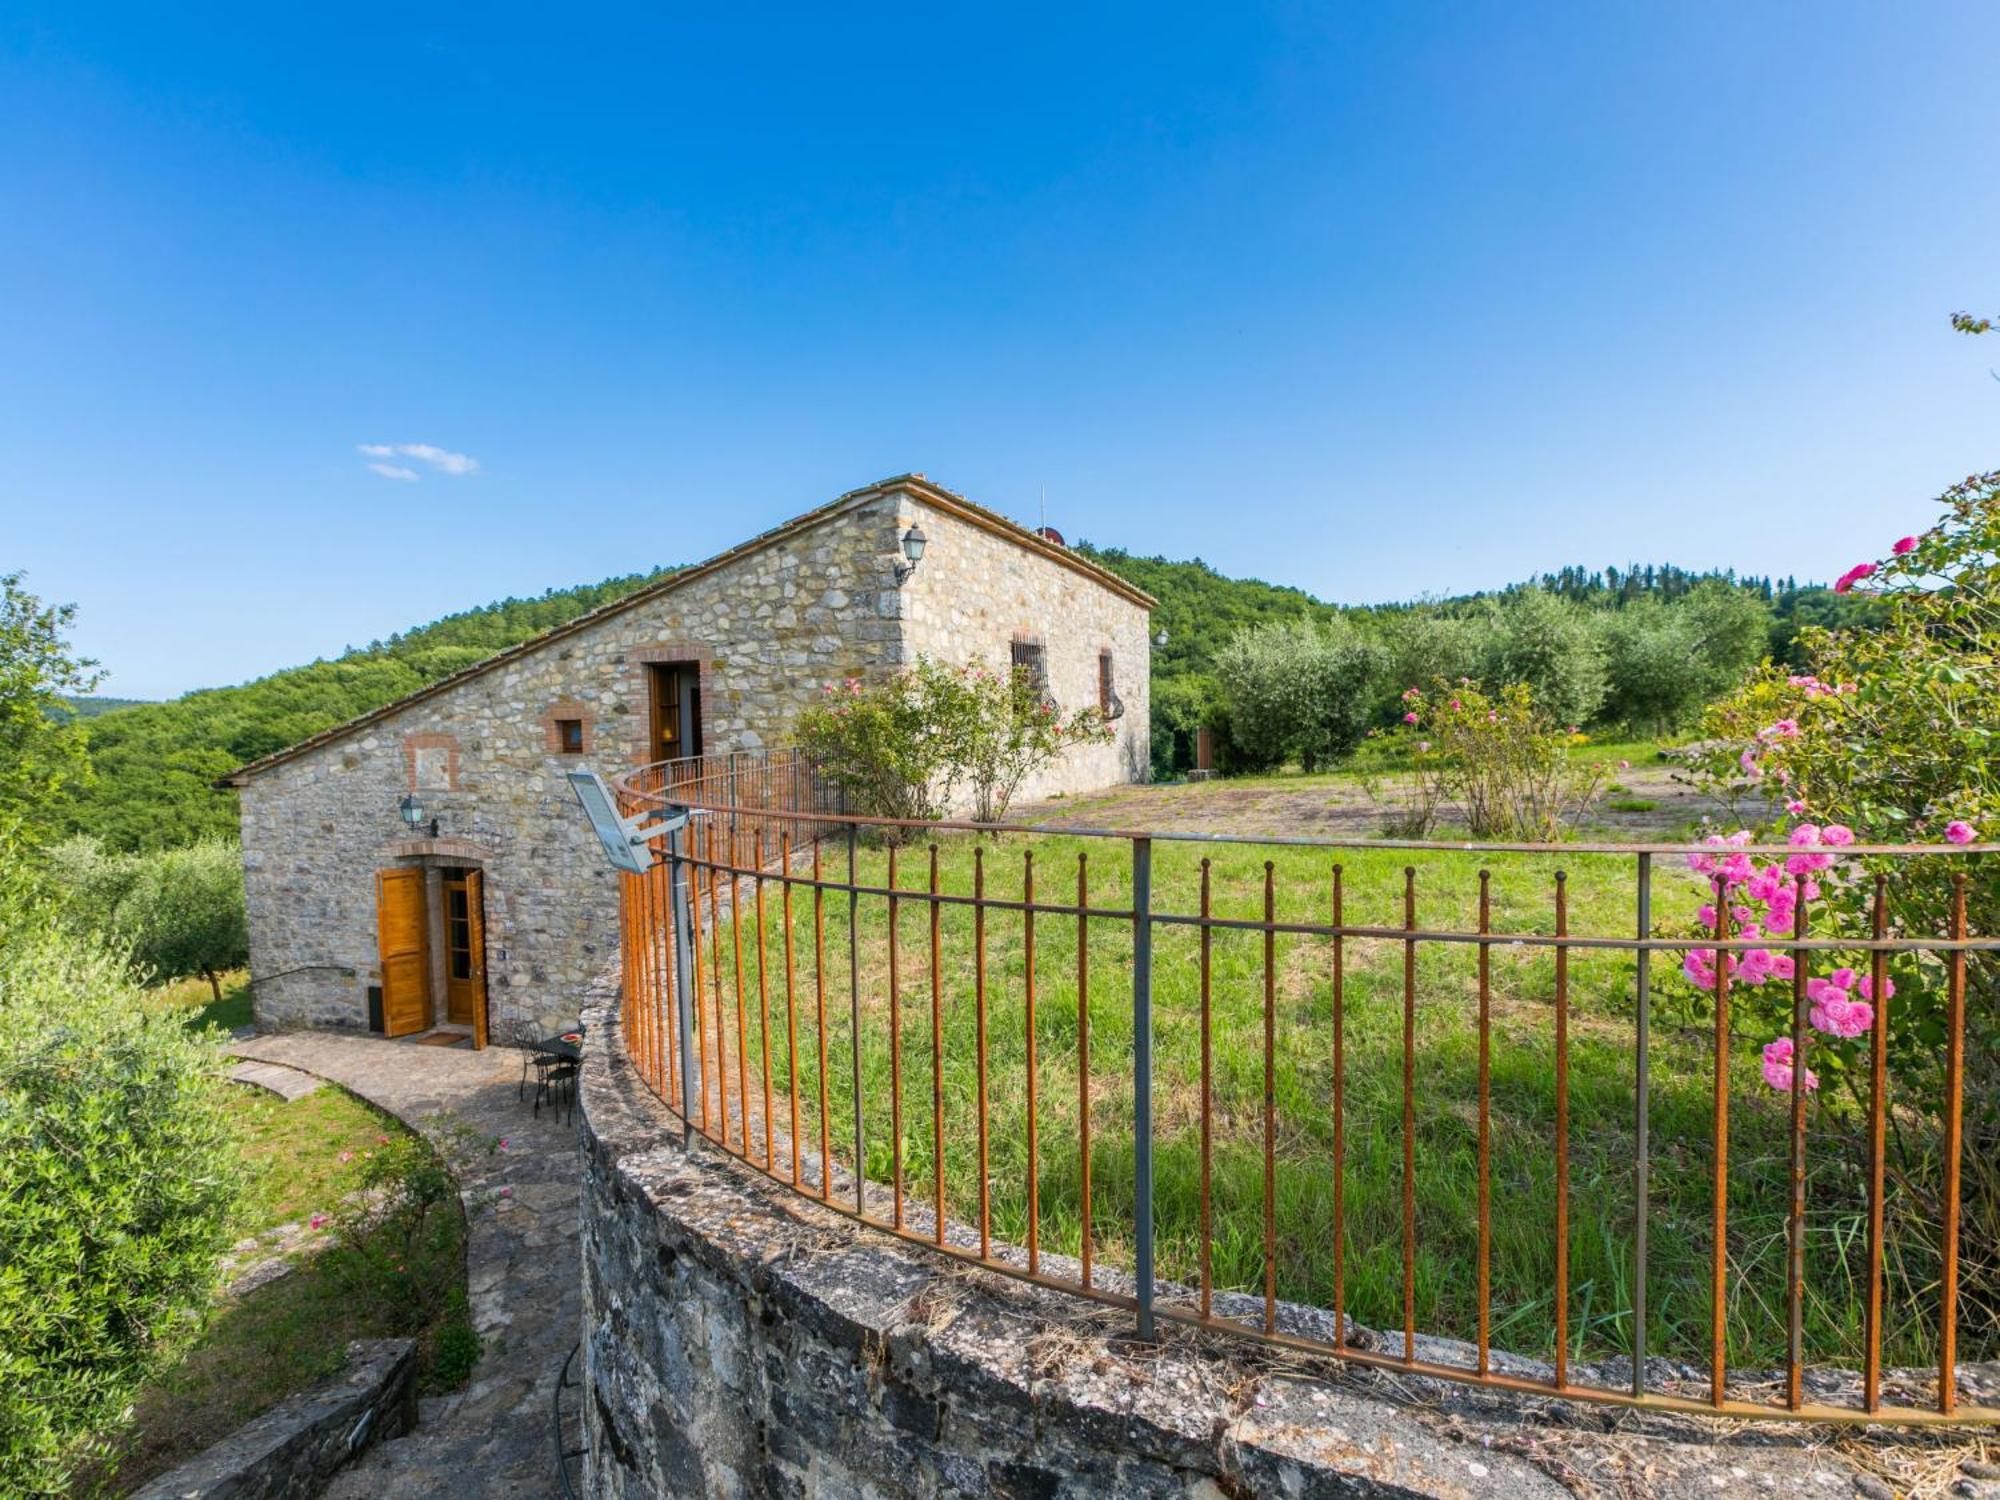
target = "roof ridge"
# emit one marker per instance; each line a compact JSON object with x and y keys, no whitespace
{"x":675,"y":577}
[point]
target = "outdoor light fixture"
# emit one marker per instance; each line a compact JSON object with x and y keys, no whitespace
{"x":415,"y":814}
{"x":1161,"y":638}
{"x":627,"y":841}
{"x":914,"y":542}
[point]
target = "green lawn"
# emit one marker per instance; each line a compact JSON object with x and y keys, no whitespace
{"x":1601,"y":1127}
{"x":197,"y":998}
{"x":292,"y":1333}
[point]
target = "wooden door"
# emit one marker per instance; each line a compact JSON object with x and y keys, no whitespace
{"x":400,"y":930}
{"x":465,"y":953}
{"x":475,"y":906}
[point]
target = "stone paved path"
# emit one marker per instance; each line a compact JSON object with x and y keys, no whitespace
{"x":492,"y":1438}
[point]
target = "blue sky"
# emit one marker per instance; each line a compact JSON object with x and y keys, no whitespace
{"x":1377,"y":302}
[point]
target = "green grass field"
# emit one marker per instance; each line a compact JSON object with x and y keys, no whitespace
{"x":1445,"y":1064}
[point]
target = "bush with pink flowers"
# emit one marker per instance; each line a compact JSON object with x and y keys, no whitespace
{"x":1889,"y":735}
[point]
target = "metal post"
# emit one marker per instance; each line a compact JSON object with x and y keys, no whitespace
{"x":1142,"y":1074}
{"x":854,"y":1020}
{"x":683,"y":973}
{"x":1640,"y":1124}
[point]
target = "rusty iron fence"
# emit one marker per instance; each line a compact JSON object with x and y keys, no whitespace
{"x":746,"y":1047}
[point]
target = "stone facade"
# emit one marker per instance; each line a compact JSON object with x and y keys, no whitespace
{"x":767,"y":624}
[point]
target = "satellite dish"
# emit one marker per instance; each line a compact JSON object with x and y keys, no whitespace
{"x":627,"y":841}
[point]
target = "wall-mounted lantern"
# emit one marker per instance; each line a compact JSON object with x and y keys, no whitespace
{"x":415,"y":815}
{"x":1161,"y":638}
{"x":914,"y":542}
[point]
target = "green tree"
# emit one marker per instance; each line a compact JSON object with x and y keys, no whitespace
{"x":42,"y":752}
{"x":1535,"y":638}
{"x":117,"y":1177}
{"x":1665,"y":662}
{"x":1299,"y":690}
{"x":184,"y":913}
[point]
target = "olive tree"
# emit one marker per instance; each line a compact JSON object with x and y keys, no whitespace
{"x":1300,"y":690}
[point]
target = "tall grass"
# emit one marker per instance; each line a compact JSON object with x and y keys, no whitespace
{"x":1445,"y":1061}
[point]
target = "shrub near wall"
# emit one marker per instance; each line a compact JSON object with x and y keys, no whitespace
{"x":117,"y":1175}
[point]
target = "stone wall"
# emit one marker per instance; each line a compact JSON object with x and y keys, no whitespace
{"x":293,"y":1449}
{"x":977,"y":592}
{"x":740,"y":1341}
{"x":769,"y":628}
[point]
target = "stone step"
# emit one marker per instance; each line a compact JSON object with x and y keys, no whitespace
{"x":286,"y":1083}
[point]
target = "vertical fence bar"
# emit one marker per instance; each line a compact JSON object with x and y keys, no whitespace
{"x":1207,"y":1099}
{"x":1562,"y":1132}
{"x":1795,"y":1250}
{"x":1142,"y":1077}
{"x":791,"y":1000}
{"x":764,"y":1000}
{"x":895,"y":1050}
{"x":937,"y":1052}
{"x":715,"y":976}
{"x":736,"y":944}
{"x":1339,"y":1113}
{"x":1485,"y":1344}
{"x":1642,"y":1079}
{"x":1719,"y":1265}
{"x":854,"y":1017}
{"x":1409,"y":1114}
{"x":979,"y":1028}
{"x":1878,"y":1147}
{"x":819,"y":1031}
{"x":1270,"y":1099}
{"x":692,"y":848}
{"x":1954,"y":1128}
{"x":1083,"y":1059}
{"x":1028,"y":964}
{"x":684,"y":991}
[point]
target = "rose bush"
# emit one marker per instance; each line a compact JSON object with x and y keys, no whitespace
{"x":1891,"y":735}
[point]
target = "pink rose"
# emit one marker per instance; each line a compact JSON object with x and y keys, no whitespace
{"x":1778,"y":1066}
{"x":1960,"y":832}
{"x":1837,"y":834}
{"x":1852,"y":576}
{"x":1410,"y":718}
{"x":317,"y":1221}
{"x":1904,"y":546}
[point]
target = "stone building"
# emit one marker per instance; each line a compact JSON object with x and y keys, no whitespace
{"x":496,"y":908}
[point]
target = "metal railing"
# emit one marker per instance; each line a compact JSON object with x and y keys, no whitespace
{"x":743,"y":1050}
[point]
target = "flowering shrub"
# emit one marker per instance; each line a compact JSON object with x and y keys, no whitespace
{"x":1501,"y":759}
{"x":901,"y":747}
{"x":1895,"y":732}
{"x":1890,"y":734}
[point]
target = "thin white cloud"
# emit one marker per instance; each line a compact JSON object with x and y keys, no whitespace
{"x":440,"y":460}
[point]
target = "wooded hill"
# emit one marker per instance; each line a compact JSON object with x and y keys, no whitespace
{"x":156,"y":763}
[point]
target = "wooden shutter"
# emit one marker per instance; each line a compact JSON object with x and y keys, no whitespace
{"x":401,"y":933}
{"x":475,"y":911}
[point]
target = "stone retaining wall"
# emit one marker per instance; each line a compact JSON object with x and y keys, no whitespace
{"x":298,"y":1445}
{"x":741,"y":1342}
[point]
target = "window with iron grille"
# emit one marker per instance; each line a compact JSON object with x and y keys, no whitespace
{"x":1028,"y":658}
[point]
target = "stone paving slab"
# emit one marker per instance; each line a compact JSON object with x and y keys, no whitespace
{"x":522,"y":1267}
{"x":287,"y":1083}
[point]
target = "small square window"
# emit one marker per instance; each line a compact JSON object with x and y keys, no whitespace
{"x":569,"y":736}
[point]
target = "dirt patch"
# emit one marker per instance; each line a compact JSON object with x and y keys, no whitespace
{"x":1341,"y":806}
